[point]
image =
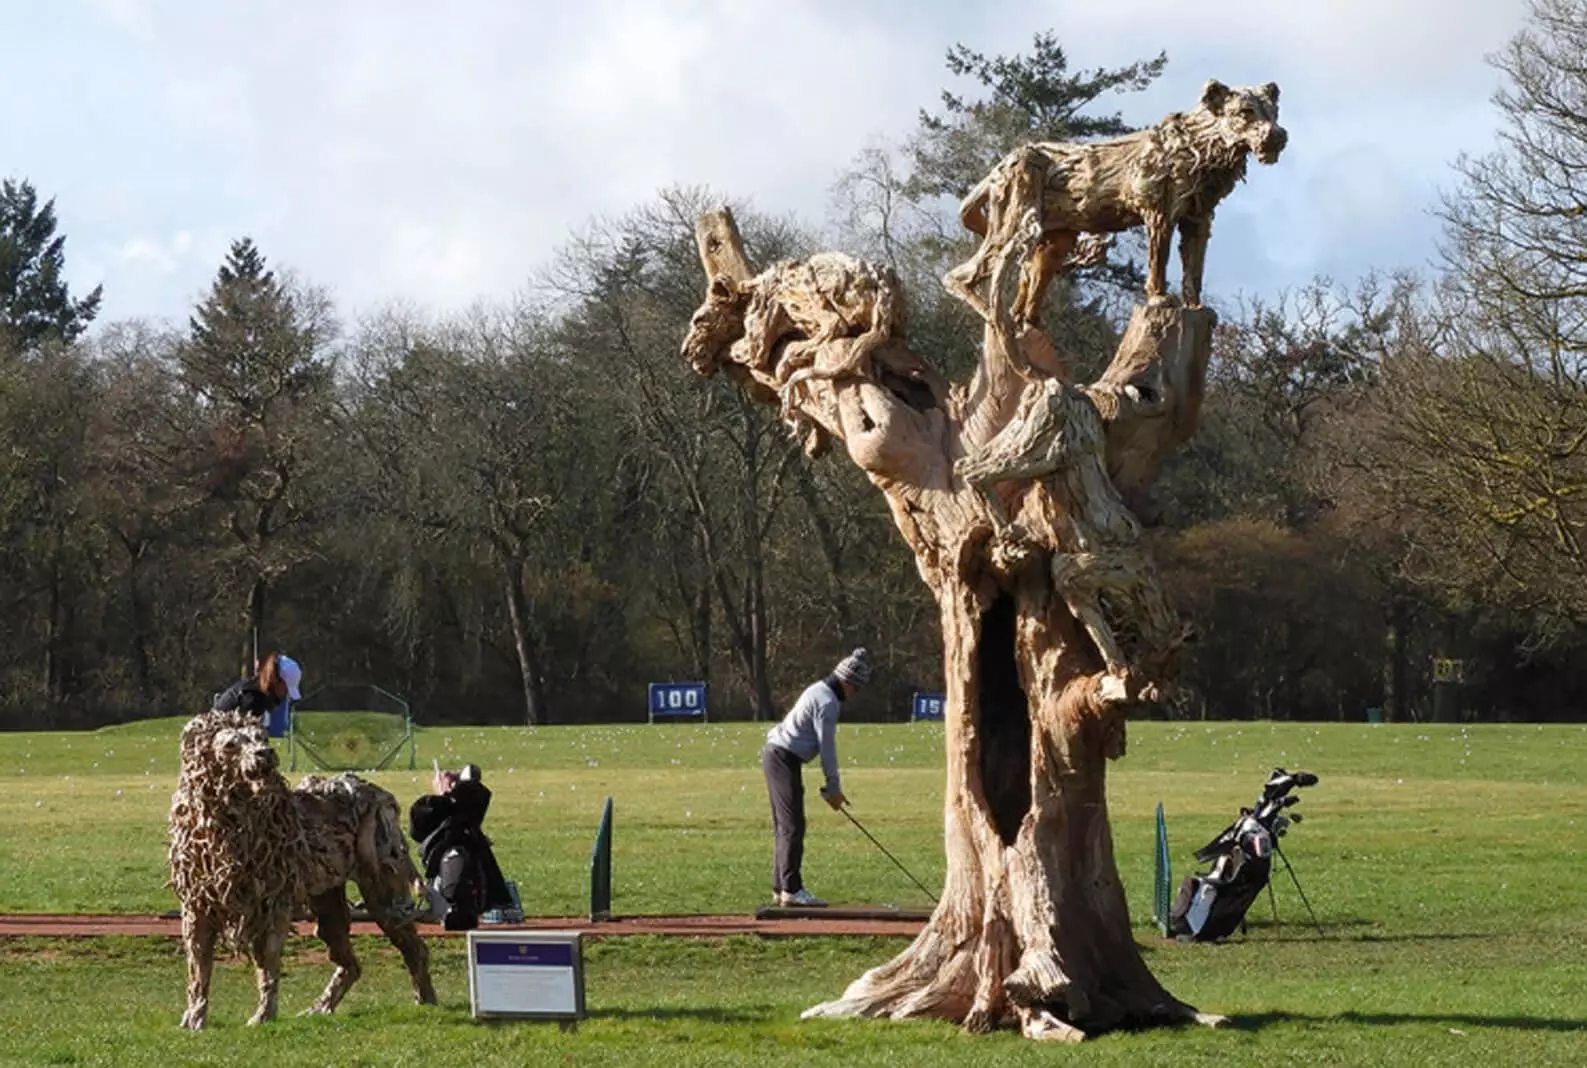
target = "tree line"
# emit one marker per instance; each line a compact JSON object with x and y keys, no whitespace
{"x":525,"y":512}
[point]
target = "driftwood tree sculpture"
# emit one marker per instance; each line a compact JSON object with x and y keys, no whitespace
{"x":1015,"y":493}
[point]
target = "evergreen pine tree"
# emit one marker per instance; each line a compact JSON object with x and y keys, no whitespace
{"x":35,"y":302}
{"x":255,"y":362}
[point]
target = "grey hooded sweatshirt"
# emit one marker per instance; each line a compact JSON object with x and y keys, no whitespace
{"x":811,"y":727}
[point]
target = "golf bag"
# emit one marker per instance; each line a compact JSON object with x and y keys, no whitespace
{"x":1211,"y":905}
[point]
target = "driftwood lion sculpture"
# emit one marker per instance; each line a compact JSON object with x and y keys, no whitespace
{"x":1044,"y":199}
{"x":247,"y":852}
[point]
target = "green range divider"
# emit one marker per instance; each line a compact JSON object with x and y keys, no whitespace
{"x":1163,"y":880}
{"x":601,"y":868}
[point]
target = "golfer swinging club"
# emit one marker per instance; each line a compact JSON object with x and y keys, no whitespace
{"x":810,"y":727}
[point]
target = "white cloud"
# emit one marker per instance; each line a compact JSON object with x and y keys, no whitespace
{"x":162,"y":255}
{"x":1356,"y":48}
{"x":392,"y":149}
{"x":132,"y":16}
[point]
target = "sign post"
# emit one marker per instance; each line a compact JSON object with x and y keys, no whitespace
{"x":527,"y":975}
{"x":1448,"y":676}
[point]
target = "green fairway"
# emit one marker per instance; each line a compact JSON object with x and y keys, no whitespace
{"x":1445,"y":863}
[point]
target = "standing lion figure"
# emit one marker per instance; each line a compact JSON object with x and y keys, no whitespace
{"x":1044,"y":200}
{"x":248,"y":852}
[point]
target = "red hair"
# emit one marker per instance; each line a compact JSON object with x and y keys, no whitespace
{"x":270,"y":674}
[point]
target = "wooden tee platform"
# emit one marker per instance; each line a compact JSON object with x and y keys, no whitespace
{"x":808,"y":922}
{"x":856,"y":913}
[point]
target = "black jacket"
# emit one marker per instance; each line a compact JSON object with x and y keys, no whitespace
{"x":440,"y":822}
{"x":244,"y":695}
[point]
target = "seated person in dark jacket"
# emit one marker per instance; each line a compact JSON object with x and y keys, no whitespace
{"x":277,"y":681}
{"x":459,"y":866}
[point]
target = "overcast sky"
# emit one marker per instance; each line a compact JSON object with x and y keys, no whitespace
{"x":439,"y":152}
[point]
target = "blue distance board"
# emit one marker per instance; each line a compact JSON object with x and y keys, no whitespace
{"x":682,"y":699}
{"x":928,"y":706}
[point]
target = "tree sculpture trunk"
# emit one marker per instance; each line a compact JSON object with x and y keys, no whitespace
{"x":1011,"y":491}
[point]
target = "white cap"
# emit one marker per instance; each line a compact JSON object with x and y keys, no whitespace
{"x":291,"y":674}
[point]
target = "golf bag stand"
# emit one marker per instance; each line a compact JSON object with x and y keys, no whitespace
{"x":1210,"y":905}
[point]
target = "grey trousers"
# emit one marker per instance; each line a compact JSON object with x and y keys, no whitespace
{"x":785,"y":784}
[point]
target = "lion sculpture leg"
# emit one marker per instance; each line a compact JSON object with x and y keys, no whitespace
{"x":357,"y":836}
{"x":266,"y":953}
{"x":333,"y":926}
{"x":1010,"y":203}
{"x":403,"y":934}
{"x":200,"y":931}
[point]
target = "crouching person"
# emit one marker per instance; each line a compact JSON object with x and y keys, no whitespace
{"x":460,"y":870}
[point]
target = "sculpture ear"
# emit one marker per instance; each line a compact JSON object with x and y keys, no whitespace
{"x":1213,"y":94}
{"x":1270,"y":90}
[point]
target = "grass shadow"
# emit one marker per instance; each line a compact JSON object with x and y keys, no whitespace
{"x":1266,"y":932}
{"x":720,"y":1015}
{"x":1258,"y":922}
{"x":1258,"y":1021}
{"x":1275,"y":937}
{"x":1446,"y":936}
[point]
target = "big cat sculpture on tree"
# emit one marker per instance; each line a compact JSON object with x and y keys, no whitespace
{"x":1048,"y":197}
{"x":1014,"y":492}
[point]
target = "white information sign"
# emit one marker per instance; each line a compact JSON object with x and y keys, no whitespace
{"x":529,"y":974}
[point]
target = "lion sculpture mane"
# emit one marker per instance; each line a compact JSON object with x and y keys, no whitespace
{"x":248,"y":852}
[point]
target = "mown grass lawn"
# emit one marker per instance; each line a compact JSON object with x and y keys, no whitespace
{"x":1446,"y":864}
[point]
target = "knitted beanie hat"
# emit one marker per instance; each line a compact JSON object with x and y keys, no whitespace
{"x":854,"y":668}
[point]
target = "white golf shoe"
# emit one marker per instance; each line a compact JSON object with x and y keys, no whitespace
{"x":800,"y":899}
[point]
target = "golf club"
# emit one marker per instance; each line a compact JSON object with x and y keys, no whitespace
{"x":878,"y":845}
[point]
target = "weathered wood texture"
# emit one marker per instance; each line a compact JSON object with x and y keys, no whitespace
{"x":1019,"y":494}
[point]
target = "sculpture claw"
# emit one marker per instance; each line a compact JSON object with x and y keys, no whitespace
{"x":1113,"y":688}
{"x":1030,"y":226}
{"x":1012,"y":548}
{"x":1043,"y":1026}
